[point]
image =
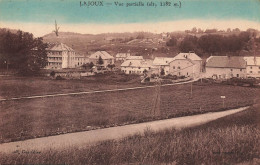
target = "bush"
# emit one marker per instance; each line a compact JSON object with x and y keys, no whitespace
{"x":52,"y":74}
{"x":59,"y":78}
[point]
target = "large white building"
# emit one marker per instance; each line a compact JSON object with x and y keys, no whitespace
{"x":225,"y":67}
{"x":252,"y":66}
{"x":61,"y":56}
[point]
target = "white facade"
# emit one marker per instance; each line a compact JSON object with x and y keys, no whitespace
{"x":185,"y":68}
{"x":252,"y":66}
{"x":107,"y":58}
{"x":225,"y":67}
{"x":136,"y":66}
{"x":225,"y":73}
{"x":60,"y":56}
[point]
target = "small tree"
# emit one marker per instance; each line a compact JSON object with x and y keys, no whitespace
{"x":52,"y":74}
{"x":111,"y":66}
{"x":162,"y":72}
{"x":100,"y":61}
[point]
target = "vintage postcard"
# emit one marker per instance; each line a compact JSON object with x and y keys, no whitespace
{"x":129,"y":82}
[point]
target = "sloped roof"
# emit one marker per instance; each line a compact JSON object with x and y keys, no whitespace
{"x":191,"y":56}
{"x":162,"y":60}
{"x":250,"y":60}
{"x":134,"y":58}
{"x":122,"y":55}
{"x":226,"y":62}
{"x":103,"y":54}
{"x":60,"y":47}
{"x":137,"y":63}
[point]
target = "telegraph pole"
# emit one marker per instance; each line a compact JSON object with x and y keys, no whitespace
{"x":156,"y":108}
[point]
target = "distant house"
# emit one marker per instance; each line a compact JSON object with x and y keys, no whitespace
{"x":60,"y":56}
{"x":122,"y":56}
{"x":186,"y":64}
{"x":81,"y":60}
{"x":136,"y":66}
{"x":135,"y":58}
{"x":162,"y":63}
{"x":225,"y":67}
{"x":252,"y":66}
{"x":106,"y":57}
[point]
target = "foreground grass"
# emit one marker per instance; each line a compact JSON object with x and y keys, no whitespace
{"x":26,"y":119}
{"x":230,"y":140}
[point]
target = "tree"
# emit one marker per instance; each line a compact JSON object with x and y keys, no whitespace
{"x":100,"y":61}
{"x":111,"y":66}
{"x":162,"y":72}
{"x":23,"y":52}
{"x":194,"y":30}
{"x":172,"y":42}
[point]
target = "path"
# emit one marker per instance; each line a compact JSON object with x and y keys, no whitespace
{"x":91,"y":137}
{"x":90,"y":92}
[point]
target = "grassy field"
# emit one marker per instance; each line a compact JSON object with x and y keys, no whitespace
{"x":229,"y":140}
{"x":25,"y":119}
{"x":27,"y":86}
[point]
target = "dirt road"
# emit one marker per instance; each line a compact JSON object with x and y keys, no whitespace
{"x":92,"y":137}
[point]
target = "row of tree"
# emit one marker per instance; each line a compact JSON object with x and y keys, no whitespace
{"x":213,"y":43}
{"x":22,"y":52}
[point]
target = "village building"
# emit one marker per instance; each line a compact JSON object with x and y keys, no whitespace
{"x":136,"y":66}
{"x":122,"y":56}
{"x":252,"y":66}
{"x":106,"y":57}
{"x":225,"y":67}
{"x":161,"y":63}
{"x":60,"y":56}
{"x":135,"y":58}
{"x":186,"y":64}
{"x":81,"y":60}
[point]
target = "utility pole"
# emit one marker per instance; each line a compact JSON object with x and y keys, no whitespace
{"x":191,"y":90}
{"x":156,"y":108}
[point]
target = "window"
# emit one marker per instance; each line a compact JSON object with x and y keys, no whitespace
{"x":241,"y":70}
{"x":251,"y":71}
{"x":187,"y":73}
{"x":237,"y":75}
{"x":173,"y":67}
{"x":251,"y":67}
{"x":179,"y":67}
{"x":231,"y":70}
{"x":259,"y":67}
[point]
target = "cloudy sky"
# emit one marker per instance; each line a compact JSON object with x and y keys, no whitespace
{"x":38,"y":16}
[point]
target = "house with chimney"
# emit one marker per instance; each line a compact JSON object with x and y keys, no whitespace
{"x":225,"y":67}
{"x":186,"y":64}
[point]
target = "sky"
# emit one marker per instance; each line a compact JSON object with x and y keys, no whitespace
{"x":38,"y":16}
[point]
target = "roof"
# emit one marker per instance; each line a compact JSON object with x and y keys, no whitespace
{"x":251,"y":60}
{"x":122,"y":55}
{"x":191,"y":56}
{"x":60,"y":47}
{"x":134,"y":58}
{"x":137,"y":63}
{"x":103,"y":54}
{"x":226,"y":62}
{"x":162,"y":60}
